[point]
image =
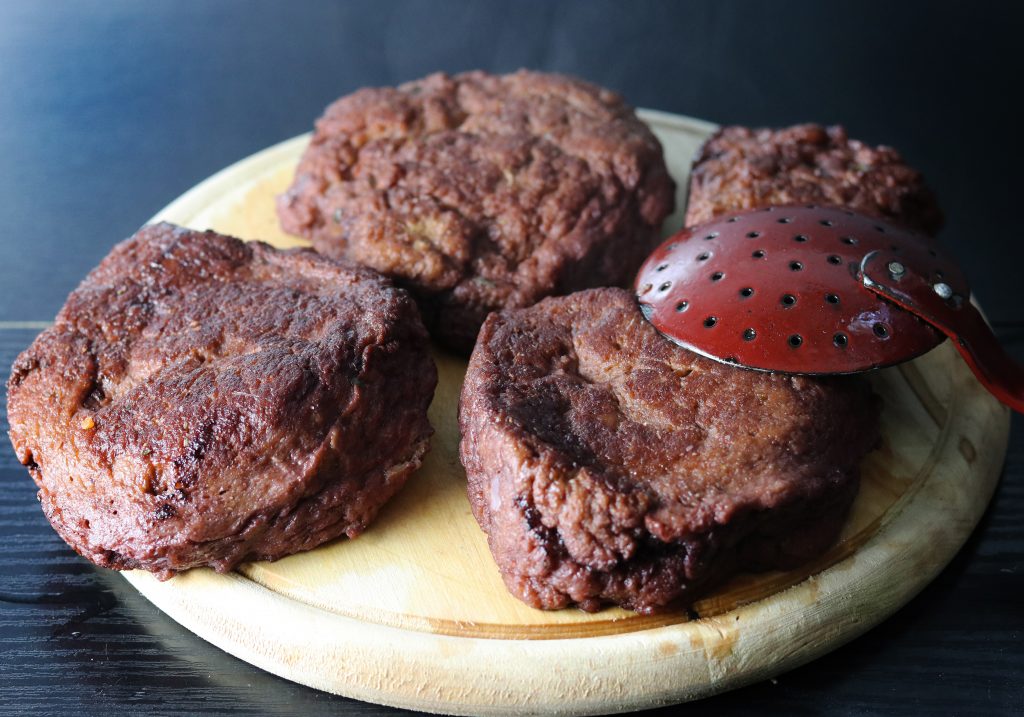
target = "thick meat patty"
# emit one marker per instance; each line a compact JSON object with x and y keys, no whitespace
{"x":202,"y":401}
{"x":741,"y":168}
{"x":608,"y":465}
{"x":479,"y":192}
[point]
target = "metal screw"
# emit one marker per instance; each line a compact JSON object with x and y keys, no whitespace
{"x":943,"y":290}
{"x":897,"y":269}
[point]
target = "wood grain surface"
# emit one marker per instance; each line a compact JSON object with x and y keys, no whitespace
{"x":414,"y":614}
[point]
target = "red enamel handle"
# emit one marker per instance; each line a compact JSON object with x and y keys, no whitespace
{"x":955,"y":316}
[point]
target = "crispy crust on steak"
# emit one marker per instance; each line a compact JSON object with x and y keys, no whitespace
{"x":202,"y":401}
{"x":742,"y":168}
{"x":607,"y":464}
{"x":479,"y":192}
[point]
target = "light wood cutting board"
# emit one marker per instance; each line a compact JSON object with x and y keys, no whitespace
{"x":414,"y":614}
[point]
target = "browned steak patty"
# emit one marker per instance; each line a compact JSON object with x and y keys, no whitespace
{"x":742,"y":168}
{"x":201,"y":401}
{"x":480,"y":192}
{"x":607,"y":464}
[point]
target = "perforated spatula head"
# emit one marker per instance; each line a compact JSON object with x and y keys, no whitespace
{"x":817,"y":290}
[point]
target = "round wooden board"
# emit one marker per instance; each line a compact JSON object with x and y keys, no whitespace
{"x":414,"y":614}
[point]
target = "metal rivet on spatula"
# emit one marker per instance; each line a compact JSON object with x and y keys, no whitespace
{"x":943,"y":290}
{"x":897,"y":269}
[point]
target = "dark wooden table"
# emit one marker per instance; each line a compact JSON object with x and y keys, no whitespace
{"x":108,"y":110}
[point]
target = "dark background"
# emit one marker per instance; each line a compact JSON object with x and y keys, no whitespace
{"x":109,"y":110}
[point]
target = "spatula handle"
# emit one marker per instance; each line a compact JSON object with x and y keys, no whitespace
{"x":934,"y":302}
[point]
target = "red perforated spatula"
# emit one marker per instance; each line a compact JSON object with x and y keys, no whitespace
{"x":817,"y":290}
